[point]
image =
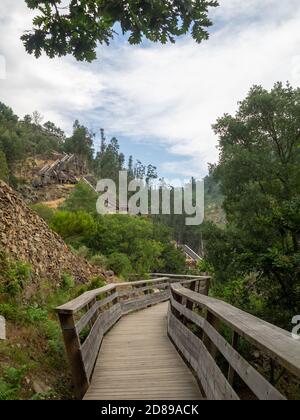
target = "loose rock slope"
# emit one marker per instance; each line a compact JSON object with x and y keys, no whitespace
{"x":26,"y":237}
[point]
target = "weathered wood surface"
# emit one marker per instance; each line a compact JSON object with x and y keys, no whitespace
{"x":196,"y":354}
{"x":255,"y":381}
{"x":273,"y":341}
{"x":138,"y":361}
{"x":83,"y":300}
{"x":144,"y":301}
{"x":86,"y":319}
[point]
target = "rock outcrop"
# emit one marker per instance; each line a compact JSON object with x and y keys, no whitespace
{"x":24,"y":236}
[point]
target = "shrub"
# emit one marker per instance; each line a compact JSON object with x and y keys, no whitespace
{"x":73,"y":225}
{"x":52,"y":332}
{"x":10,"y":383}
{"x":83,"y":251}
{"x":99,"y":261}
{"x":203,"y":266}
{"x":96,"y":283}
{"x":120,"y":264}
{"x":8,"y":311}
{"x":43,"y":211}
{"x":34,"y":314}
{"x":81,"y":198}
{"x":15,"y":276}
{"x":68,"y":281}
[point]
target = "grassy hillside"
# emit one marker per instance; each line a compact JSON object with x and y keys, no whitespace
{"x":32,"y":359}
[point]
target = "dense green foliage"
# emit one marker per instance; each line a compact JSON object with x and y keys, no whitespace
{"x":129,"y":244}
{"x":20,"y":139}
{"x":81,"y":142}
{"x":259,"y":174}
{"x":79,"y":26}
{"x":43,"y":211}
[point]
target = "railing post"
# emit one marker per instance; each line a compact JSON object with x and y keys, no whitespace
{"x":190,"y":304}
{"x":91,"y":323}
{"x":215,"y":323}
{"x":207,"y":286}
{"x":231,"y":371}
{"x":72,"y":344}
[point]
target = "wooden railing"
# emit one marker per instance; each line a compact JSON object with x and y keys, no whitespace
{"x":86,"y":319}
{"x":194,"y":323}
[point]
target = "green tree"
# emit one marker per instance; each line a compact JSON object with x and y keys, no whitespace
{"x":259,"y":175}
{"x":109,"y":161}
{"x":81,"y":198}
{"x":151,"y":173}
{"x":81,"y":142}
{"x":52,"y":129}
{"x":73,"y":226}
{"x":130,"y":168}
{"x":120,"y":264}
{"x":3,"y":167}
{"x":77,"y":27}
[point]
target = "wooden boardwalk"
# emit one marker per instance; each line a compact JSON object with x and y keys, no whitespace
{"x":138,"y":361}
{"x":128,"y":323}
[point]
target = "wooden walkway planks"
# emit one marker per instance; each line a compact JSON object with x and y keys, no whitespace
{"x":138,"y":361}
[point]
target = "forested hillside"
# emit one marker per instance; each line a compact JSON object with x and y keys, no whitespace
{"x":250,"y":237}
{"x":26,"y":142}
{"x":256,"y":257}
{"x":37,"y":270}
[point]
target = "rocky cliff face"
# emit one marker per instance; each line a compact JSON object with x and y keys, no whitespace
{"x":26,"y":237}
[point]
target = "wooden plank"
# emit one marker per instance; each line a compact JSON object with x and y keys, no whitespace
{"x":136,"y":291}
{"x":92,"y":311}
{"x":255,"y":381}
{"x":273,"y":341}
{"x":83,"y":300}
{"x":91,"y":346}
{"x":143,"y":302}
{"x":140,"y":282}
{"x":234,"y":345}
{"x":180,"y":276}
{"x":72,"y":344}
{"x":138,"y":361}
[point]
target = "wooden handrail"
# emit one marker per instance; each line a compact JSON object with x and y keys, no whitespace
{"x":274,"y":342}
{"x":81,"y":301}
{"x":86,"y":319}
{"x":179,"y":276}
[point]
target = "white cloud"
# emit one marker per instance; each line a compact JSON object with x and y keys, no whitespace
{"x":165,"y":94}
{"x":56,"y":88}
{"x":175,"y":93}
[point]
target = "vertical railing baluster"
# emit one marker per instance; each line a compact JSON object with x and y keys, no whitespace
{"x":73,"y":348}
{"x":231,"y":371}
{"x":214,"y":322}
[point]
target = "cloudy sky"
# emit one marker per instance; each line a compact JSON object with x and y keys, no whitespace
{"x":160,"y":101}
